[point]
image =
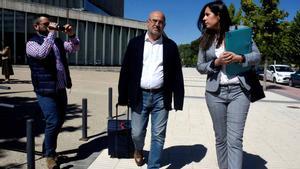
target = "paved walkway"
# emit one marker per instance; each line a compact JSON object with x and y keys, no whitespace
{"x":270,"y":141}
{"x":271,"y":136}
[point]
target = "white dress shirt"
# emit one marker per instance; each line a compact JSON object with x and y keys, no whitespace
{"x":224,"y":78}
{"x":152,"y":73}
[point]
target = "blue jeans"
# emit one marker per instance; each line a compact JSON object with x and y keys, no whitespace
{"x":153,"y":104}
{"x":228,"y":110}
{"x":54,"y":110}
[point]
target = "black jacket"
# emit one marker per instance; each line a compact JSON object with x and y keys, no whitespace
{"x":130,"y":92}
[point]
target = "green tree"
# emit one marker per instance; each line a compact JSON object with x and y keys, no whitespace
{"x":236,"y":17}
{"x":294,"y":40}
{"x":267,"y":23}
{"x":188,"y":58}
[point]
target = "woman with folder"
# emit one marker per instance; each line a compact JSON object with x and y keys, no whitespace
{"x":227,"y":96}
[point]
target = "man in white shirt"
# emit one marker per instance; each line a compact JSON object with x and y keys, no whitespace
{"x":150,"y":76}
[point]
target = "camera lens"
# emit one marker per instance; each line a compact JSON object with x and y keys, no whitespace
{"x":60,"y":28}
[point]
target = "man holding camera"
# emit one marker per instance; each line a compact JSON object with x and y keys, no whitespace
{"x":50,"y":77}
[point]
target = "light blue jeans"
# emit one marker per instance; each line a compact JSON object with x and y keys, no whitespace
{"x":228,"y":109}
{"x":153,"y":104}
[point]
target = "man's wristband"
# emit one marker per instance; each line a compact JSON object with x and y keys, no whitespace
{"x":72,"y":36}
{"x":243,"y":59}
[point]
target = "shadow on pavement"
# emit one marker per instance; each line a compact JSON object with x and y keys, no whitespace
{"x":13,"y":123}
{"x":177,"y":157}
{"x":13,"y":120}
{"x":251,"y":161}
{"x":16,"y":81}
{"x":273,"y":86}
{"x":84,"y":150}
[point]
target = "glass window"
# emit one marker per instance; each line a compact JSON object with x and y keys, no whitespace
{"x":20,"y":38}
{"x":107,"y":57}
{"x":283,"y":69}
{"x":56,"y":3}
{"x":90,"y":43}
{"x":139,"y":32}
{"x":116,"y":45}
{"x":62,"y":22}
{"x":9,"y":31}
{"x":30,"y":30}
{"x":72,"y":56}
{"x":124,"y":42}
{"x":63,"y":3}
{"x":132,"y":33}
{"x":99,"y":43}
{"x":50,"y":2}
{"x":1,"y":40}
{"x":44,"y":1}
{"x":81,"y":36}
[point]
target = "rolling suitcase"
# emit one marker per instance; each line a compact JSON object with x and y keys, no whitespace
{"x":120,"y":144}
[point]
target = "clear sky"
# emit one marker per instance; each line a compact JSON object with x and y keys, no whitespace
{"x":182,"y":15}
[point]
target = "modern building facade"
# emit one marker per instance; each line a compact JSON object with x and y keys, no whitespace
{"x":102,"y":31}
{"x":103,"y":7}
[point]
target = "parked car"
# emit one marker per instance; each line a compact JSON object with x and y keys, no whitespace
{"x":295,"y":79}
{"x":279,"y":73}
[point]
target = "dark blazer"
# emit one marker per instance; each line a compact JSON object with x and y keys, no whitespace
{"x":130,"y":92}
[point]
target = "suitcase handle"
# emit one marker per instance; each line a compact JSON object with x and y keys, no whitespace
{"x":117,"y":105}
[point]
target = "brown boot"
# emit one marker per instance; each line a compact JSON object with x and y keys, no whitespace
{"x":138,"y":157}
{"x":51,"y":163}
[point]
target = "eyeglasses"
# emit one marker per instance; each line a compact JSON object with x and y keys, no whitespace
{"x":45,"y":24}
{"x":154,"y":21}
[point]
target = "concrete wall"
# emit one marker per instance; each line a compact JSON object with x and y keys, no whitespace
{"x":70,"y":13}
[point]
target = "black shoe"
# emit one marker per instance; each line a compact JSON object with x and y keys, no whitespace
{"x":138,"y":157}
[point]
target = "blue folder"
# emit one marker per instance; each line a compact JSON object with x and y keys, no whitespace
{"x":238,"y":41}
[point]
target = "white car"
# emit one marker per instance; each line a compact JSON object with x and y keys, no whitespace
{"x":279,"y":73}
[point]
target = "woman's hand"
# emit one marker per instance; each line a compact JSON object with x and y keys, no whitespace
{"x":227,"y":58}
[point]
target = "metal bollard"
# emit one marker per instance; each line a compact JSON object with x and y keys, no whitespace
{"x":30,"y":144}
{"x":5,"y":87}
{"x":110,"y":103}
{"x":84,"y":120}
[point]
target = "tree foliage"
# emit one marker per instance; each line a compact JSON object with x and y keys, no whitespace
{"x":276,"y":38}
{"x":236,"y":17}
{"x":188,"y":57}
{"x":268,"y":26}
{"x":294,"y":40}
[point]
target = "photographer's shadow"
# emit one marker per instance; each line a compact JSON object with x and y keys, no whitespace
{"x":177,"y":157}
{"x":251,"y":161}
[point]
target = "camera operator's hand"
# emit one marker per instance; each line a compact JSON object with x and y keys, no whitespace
{"x":68,"y":30}
{"x":52,"y":27}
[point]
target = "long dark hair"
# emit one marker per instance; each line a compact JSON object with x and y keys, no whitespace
{"x":208,"y":35}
